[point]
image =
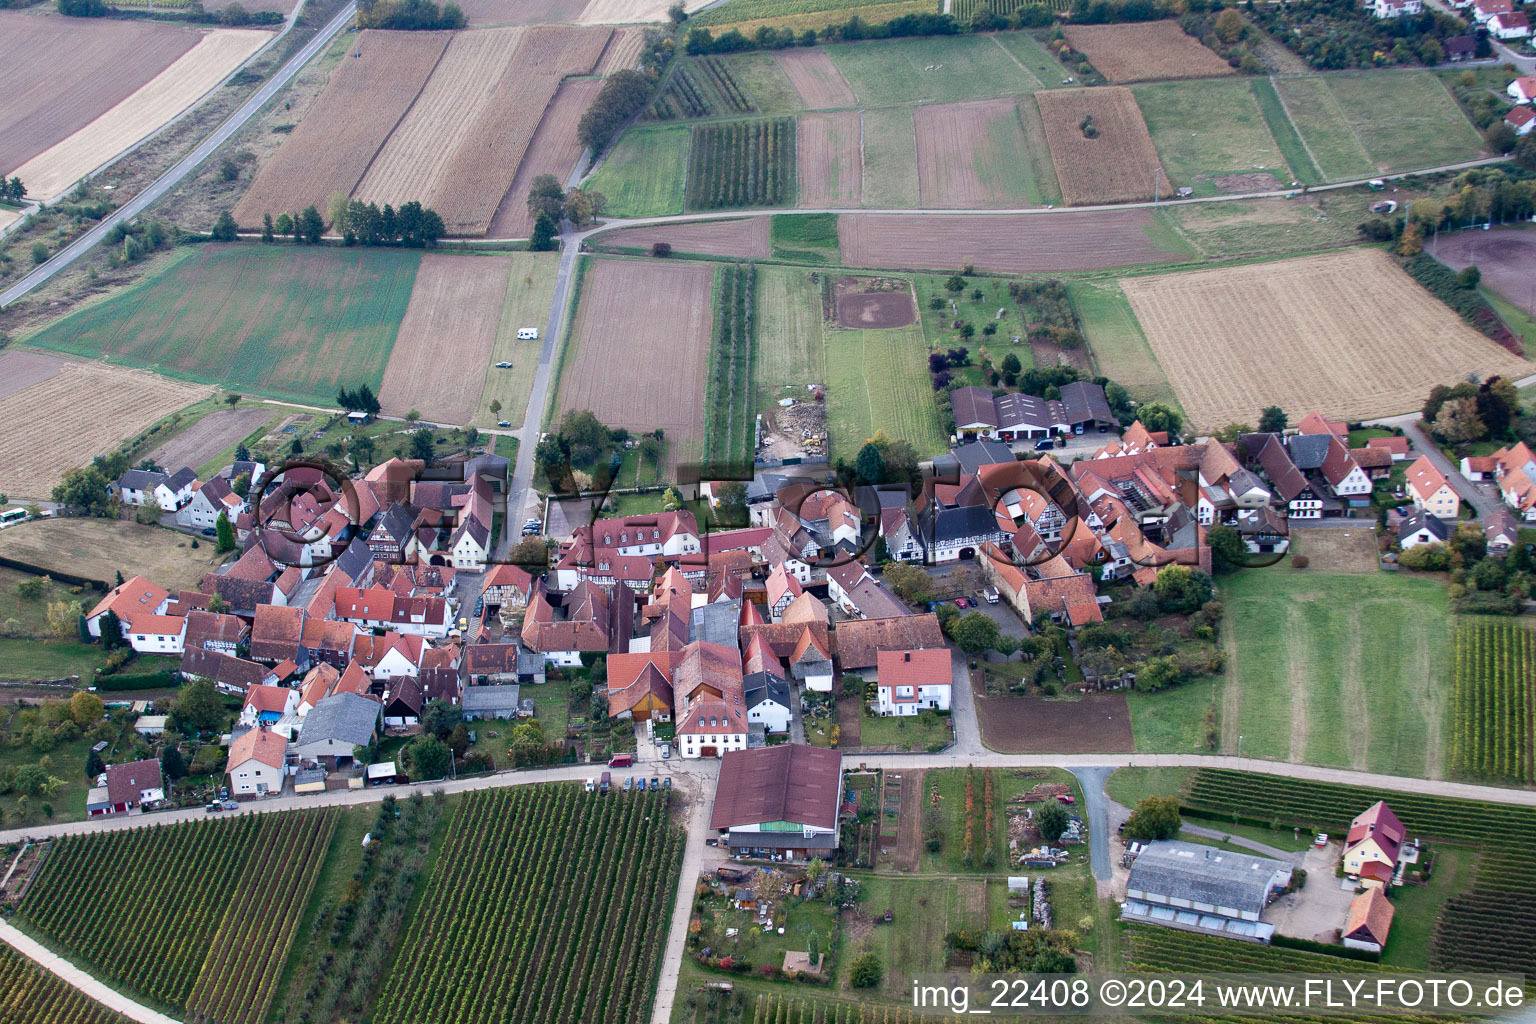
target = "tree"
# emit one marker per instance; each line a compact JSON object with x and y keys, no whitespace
{"x":284,"y":224}
{"x":310,"y":226}
{"x":974,"y":632}
{"x":1011,"y":364}
{"x":1469,"y":278}
{"x":225,"y":532}
{"x":428,"y":758}
{"x":578,"y":207}
{"x":495,"y":407}
{"x":85,"y":708}
{"x":1181,"y":589}
{"x":1498,"y":403}
{"x":61,"y":617}
{"x":1458,"y":422}
{"x":955,"y":285}
{"x":1525,"y":152}
{"x":439,"y":718}
{"x":412,"y":416}
{"x":40,"y":252}
{"x":661,"y":250}
{"x":197,"y":708}
{"x":267,"y":231}
{"x":544,"y":233}
{"x":870,"y":465}
{"x":1055,"y":961}
{"x":111,"y":628}
{"x":1500,"y":137}
{"x":1155,"y":817}
{"x":31,"y":588}
{"x":584,"y":436}
{"x":1156,"y":416}
{"x":1229,"y":26}
{"x":866,"y":971}
{"x":731,"y":502}
{"x":172,"y":766}
{"x":421,"y":444}
{"x":813,"y":950}
{"x":1052,"y":820}
{"x":93,"y":764}
{"x":1227,"y":544}
{"x":217,"y":605}
{"x":225,"y":229}
{"x":16,"y":190}
{"x":911,"y":583}
{"x":622,"y":95}
{"x":1272,"y":420}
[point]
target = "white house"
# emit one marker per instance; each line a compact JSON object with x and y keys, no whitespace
{"x":901,"y":541}
{"x":1484,"y":11}
{"x":130,"y":601}
{"x":471,"y":544}
{"x":202,"y":511}
{"x":1396,"y":8}
{"x":1522,"y":120}
{"x":268,"y":705}
{"x":157,"y":634}
{"x":256,"y":763}
{"x":1344,"y":474}
{"x":767,"y":697}
{"x":911,"y":681}
{"x":1523,"y":89}
{"x":1422,"y":528}
{"x":1430,"y":490}
{"x":168,"y":490}
{"x":1510,"y":25}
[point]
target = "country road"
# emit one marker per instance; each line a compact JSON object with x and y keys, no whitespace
{"x":186,"y":165}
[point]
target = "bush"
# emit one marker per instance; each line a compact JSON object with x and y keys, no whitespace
{"x":866,"y":971}
{"x":661,"y":250}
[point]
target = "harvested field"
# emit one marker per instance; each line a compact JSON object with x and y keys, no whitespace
{"x":210,"y":435}
{"x":20,"y":369}
{"x":747,"y":237}
{"x":875,"y":302}
{"x":446,"y":336}
{"x":1018,"y":244}
{"x":1118,"y":165}
{"x":637,"y":350}
{"x":283,"y":7}
{"x":623,"y":52}
{"x":331,"y":148}
{"x":1351,"y":331}
{"x":488,"y":13}
{"x":554,"y":150}
{"x":100,"y":548}
{"x":44,"y":100}
{"x":820,"y":85}
{"x":78,"y":413}
{"x":1505,"y":256}
{"x":631,"y":12}
{"x":1145,"y":52}
{"x":831,"y":165}
{"x":149,"y":108}
{"x":1099,"y":723}
{"x":7,"y":215}
{"x":972,"y":155}
{"x":1338,"y":548}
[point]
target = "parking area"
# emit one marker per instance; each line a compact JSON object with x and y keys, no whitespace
{"x":1318,"y":909}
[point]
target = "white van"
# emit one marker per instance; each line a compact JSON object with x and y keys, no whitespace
{"x":527,"y":334}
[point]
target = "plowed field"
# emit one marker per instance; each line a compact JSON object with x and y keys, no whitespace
{"x":45,"y":98}
{"x":445,"y":339}
{"x":971,"y":155}
{"x":1348,"y":332}
{"x":1118,"y":165}
{"x":331,"y":148}
{"x":1021,"y":243}
{"x":831,"y":161}
{"x":747,"y":237}
{"x":1146,"y":51}
{"x":637,"y":350}
{"x":554,"y":150}
{"x":820,"y":85}
{"x":78,"y":413}
{"x":486,"y":13}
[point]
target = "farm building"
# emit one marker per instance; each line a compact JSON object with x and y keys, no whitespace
{"x":1369,"y":921}
{"x":1203,"y":889}
{"x":336,"y":727}
{"x":1086,"y":407}
{"x":778,"y":803}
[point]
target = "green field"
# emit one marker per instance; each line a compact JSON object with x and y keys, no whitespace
{"x":293,"y":323}
{"x":1269,"y":227}
{"x":643,"y":175}
{"x":1119,"y":347}
{"x":878,"y":380}
{"x":1174,"y":721}
{"x":964,"y":306}
{"x":805,"y":237}
{"x":1404,"y":119}
{"x":530,"y":290}
{"x":1037,"y":60}
{"x":890,"y":159}
{"x":1327,"y":137}
{"x":1336,"y":669}
{"x":1038,"y":153}
{"x":1292,"y":149}
{"x":790,"y":353}
{"x":742,"y":10}
{"x":891,"y":71}
{"x":761,"y":76}
{"x":1208,"y":128}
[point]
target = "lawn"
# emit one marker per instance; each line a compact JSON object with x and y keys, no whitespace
{"x":761,"y":78}
{"x":48,"y":659}
{"x":805,"y":237}
{"x":1037,"y":60}
{"x":1316,"y":116}
{"x":30,"y":617}
{"x":1208,"y":128}
{"x":1173,"y":721}
{"x":1037,"y":152}
{"x":878,"y":380}
{"x":1405,"y":119}
{"x":100,"y":548}
{"x":890,"y":159}
{"x":1119,"y":347}
{"x":1342,"y":669}
{"x":1130,"y":786}
{"x":789,"y":312}
{"x":936,"y":69}
{"x":965,"y":307}
{"x":645,"y":173}
{"x":923,"y":912}
{"x":530,"y":290}
{"x":1417,"y":906}
{"x":905,"y":732}
{"x":292,"y":323}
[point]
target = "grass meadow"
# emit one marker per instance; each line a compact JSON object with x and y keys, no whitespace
{"x":878,"y":380}
{"x":937,"y":69}
{"x":530,"y":290}
{"x":890,"y":159}
{"x":644,"y":174}
{"x":1208,"y":128}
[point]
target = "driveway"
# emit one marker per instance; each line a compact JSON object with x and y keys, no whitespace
{"x":1317,"y":910}
{"x":1484,"y":502}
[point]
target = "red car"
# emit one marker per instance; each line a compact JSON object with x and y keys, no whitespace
{"x":961,"y":602}
{"x":1067,"y":798}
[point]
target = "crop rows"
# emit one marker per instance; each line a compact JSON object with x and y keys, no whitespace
{"x":964,"y":10}
{"x":31,"y":995}
{"x":702,"y":89}
{"x":727,"y":85}
{"x":681,"y":98}
{"x":731,"y":437}
{"x":149,"y":908}
{"x":1329,"y":807}
{"x":1493,"y":927}
{"x":777,"y":1009}
{"x":736,"y":164}
{"x":547,"y":904}
{"x":1492,"y":699}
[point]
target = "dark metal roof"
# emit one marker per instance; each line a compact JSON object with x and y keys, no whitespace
{"x":793,"y":782}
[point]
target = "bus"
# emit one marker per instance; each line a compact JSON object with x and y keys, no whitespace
{"x":13,"y":515}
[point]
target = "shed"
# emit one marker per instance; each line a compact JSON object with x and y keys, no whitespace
{"x":309,"y":780}
{"x":150,"y":725}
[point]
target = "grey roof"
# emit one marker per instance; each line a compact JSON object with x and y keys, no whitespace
{"x":1204,"y":874}
{"x":305,"y":776}
{"x":1422,"y":520}
{"x":1029,"y":411}
{"x":141,"y":480}
{"x":356,"y":560}
{"x":1084,"y":402}
{"x":183,"y":477}
{"x":718,"y":623}
{"x":764,"y":487}
{"x":950,"y":524}
{"x":343,"y":717}
{"x":761,"y":686}
{"x":1309,"y":450}
{"x":946,"y":466}
{"x":485,"y":699}
{"x":398,"y":521}
{"x":973,"y":456}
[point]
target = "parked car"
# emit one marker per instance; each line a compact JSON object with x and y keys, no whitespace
{"x":230,"y":805}
{"x":591,"y":785}
{"x":666,"y":783}
{"x":629,"y":783}
{"x":604,"y":782}
{"x":711,"y":842}
{"x":640,"y":784}
{"x":655,"y":782}
{"x":1045,"y":443}
{"x":503,"y":423}
{"x":211,"y":808}
{"x":209,"y":533}
{"x":961,"y":602}
{"x":621,"y":761}
{"x":666,"y":751}
{"x":1321,"y":840}
{"x":503,"y":366}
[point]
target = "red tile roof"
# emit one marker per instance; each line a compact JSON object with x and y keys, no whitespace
{"x":924,"y":667}
{"x":262,"y":745}
{"x":1370,"y":917}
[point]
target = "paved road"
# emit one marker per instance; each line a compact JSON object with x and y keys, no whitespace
{"x":189,"y":163}
{"x":1484,"y":502}
{"x":1096,"y":817}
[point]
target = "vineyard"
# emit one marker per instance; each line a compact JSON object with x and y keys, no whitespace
{"x":776,"y":1009}
{"x":547,"y":904}
{"x":735,"y":164}
{"x":730,"y":436}
{"x":704,"y":88}
{"x":965,"y":10}
{"x":1492,"y":927}
{"x":1493,"y":698}
{"x":199,"y":915}
{"x":31,"y":995}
